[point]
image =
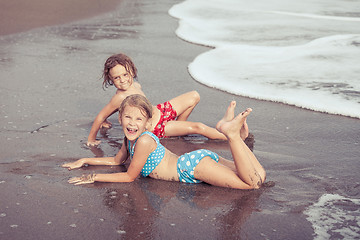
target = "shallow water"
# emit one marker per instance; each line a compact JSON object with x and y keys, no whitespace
{"x":305,"y":54}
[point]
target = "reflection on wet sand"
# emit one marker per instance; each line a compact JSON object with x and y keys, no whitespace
{"x":152,"y":208}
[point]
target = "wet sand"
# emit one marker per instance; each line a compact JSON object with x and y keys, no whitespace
{"x":51,"y":92}
{"x":23,"y":15}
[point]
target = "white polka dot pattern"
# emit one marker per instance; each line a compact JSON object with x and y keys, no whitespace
{"x":154,"y":158}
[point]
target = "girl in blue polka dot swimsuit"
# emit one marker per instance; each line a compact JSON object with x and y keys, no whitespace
{"x":150,"y":158}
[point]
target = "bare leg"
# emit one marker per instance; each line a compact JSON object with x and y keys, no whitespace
{"x":185,"y":104}
{"x":181,"y":128}
{"x":248,"y":167}
{"x":244,"y":172}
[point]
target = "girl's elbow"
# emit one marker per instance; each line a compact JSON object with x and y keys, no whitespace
{"x":119,"y":161}
{"x":130,"y":179}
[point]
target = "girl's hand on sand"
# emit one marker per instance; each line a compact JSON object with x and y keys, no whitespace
{"x":73,"y":165}
{"x":94,"y":143}
{"x":106,"y":124}
{"x":83,"y":179}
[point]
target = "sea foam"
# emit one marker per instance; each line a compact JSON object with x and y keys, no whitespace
{"x":336,"y":216}
{"x":307,"y":54}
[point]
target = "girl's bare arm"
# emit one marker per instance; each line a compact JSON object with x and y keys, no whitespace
{"x":144,"y":146}
{"x":120,"y":158}
{"x":106,"y":112}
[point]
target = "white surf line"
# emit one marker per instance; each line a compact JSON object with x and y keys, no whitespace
{"x":317,"y":16}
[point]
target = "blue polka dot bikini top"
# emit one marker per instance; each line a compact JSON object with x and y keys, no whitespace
{"x":154,"y":158}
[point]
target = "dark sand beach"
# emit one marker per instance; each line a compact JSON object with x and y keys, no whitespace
{"x":23,"y":15}
{"x":51,"y":92}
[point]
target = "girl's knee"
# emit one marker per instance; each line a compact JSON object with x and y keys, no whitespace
{"x":261,"y":180}
{"x":195,"y":96}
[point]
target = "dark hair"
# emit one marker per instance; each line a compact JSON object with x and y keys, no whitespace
{"x":139,"y":101}
{"x":117,"y":59}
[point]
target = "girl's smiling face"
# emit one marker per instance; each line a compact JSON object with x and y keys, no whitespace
{"x":134,"y":122}
{"x":121,"y":78}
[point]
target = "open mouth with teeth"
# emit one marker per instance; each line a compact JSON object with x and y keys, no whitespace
{"x":131,"y":130}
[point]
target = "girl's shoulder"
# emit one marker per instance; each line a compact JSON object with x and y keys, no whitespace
{"x":137,"y":84}
{"x":146,"y":140}
{"x":117,"y":99}
{"x":147,"y":136}
{"x":120,"y":94}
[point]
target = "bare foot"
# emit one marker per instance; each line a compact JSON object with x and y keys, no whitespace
{"x":244,"y":131}
{"x":229,"y":115}
{"x":231,"y":128}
